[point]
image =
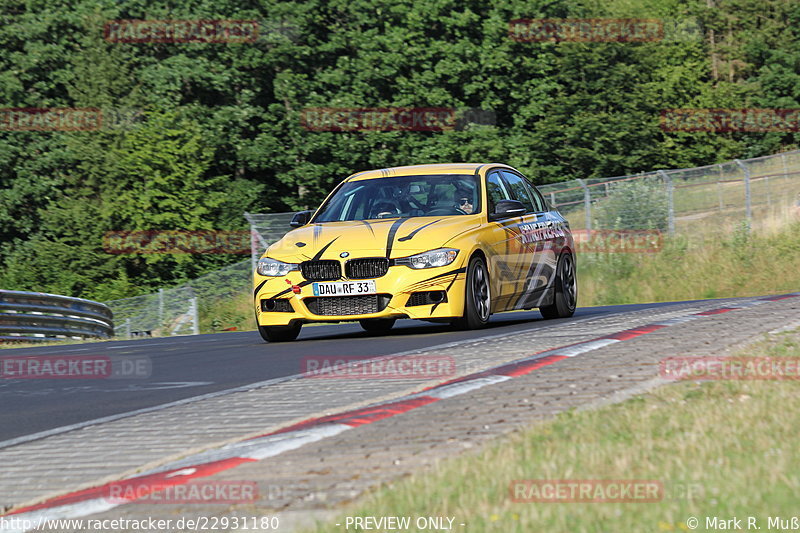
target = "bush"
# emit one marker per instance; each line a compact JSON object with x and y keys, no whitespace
{"x":636,"y":204}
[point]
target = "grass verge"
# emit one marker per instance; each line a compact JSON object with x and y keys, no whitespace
{"x":721,"y":449}
{"x":739,"y":264}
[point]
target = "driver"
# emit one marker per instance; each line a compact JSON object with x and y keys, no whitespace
{"x":463,"y":200}
{"x":385,"y":209}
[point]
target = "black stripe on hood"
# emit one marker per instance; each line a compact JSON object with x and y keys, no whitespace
{"x":390,"y":238}
{"x":411,"y":235}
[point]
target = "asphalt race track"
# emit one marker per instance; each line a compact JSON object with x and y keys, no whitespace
{"x":186,"y":367}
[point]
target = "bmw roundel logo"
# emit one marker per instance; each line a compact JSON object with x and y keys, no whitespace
{"x":344,"y":254}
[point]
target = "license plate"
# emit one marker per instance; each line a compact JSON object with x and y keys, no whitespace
{"x":344,"y":288}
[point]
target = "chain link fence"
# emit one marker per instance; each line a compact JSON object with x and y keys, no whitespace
{"x":759,"y":193}
{"x":265,"y":228}
{"x":176,"y":311}
{"x":166,"y":312}
{"x":756,"y":192}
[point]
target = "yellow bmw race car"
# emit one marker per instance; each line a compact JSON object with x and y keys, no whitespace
{"x":444,"y":243}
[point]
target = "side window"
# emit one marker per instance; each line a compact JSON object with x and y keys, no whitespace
{"x":495,"y":189}
{"x":538,"y":202}
{"x":519,"y":190}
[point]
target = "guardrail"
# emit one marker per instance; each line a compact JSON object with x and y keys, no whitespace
{"x":38,"y":316}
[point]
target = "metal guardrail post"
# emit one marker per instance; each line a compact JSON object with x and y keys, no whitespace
{"x":670,"y":201}
{"x":587,"y":203}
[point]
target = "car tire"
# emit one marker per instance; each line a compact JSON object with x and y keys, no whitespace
{"x":566,"y":290}
{"x":280,"y":333}
{"x":377,"y":325}
{"x":477,"y":297}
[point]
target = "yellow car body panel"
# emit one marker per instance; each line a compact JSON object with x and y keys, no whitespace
{"x":509,"y":247}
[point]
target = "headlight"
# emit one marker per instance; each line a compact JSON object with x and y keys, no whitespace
{"x":434,"y":258}
{"x":271,"y":267}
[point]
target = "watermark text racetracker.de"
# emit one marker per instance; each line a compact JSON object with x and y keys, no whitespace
{"x":617,"y":241}
{"x":68,"y":119}
{"x":75,"y":367}
{"x":754,"y":120}
{"x":586,"y":30}
{"x":586,"y":491}
{"x":181,"y":31}
{"x":370,"y":367}
{"x":178,"y":242}
{"x":735,"y":368}
{"x":132,"y":491}
{"x":145,"y":524}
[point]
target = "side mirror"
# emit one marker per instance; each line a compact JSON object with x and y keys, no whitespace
{"x":301,"y":218}
{"x":507,"y":209}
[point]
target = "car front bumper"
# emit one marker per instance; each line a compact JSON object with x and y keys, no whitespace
{"x":402,"y":292}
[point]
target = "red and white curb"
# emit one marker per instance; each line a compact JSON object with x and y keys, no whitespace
{"x":95,"y":500}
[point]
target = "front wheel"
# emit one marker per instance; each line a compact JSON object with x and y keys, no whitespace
{"x":477,"y":298}
{"x":280,"y":333}
{"x":377,"y":325}
{"x":566,"y":290}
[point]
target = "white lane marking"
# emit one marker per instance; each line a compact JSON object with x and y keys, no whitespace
{"x":131,"y":387}
{"x":277,"y":444}
{"x":256,"y":449}
{"x":39,"y":518}
{"x":572,"y":351}
{"x":448,"y":391}
{"x":676,"y":320}
{"x":183,"y":472}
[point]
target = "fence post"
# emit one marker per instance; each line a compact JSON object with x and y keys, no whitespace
{"x":670,"y":201}
{"x":587,"y":203}
{"x":128,"y":328}
{"x":195,"y":322}
{"x":160,"y":308}
{"x":785,"y":170}
{"x":253,"y":242}
{"x":748,"y":212}
{"x":769,"y":195}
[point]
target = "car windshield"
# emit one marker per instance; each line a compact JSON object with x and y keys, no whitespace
{"x":403,"y":197}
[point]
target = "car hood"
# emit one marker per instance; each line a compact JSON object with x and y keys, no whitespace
{"x":390,"y":237}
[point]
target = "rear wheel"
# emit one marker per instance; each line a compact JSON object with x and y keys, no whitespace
{"x":566,"y":290}
{"x":377,"y":325}
{"x":280,"y":333}
{"x":478,"y":298}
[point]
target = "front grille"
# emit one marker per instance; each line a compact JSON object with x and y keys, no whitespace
{"x":276,"y":305}
{"x":368,"y":267}
{"x":347,"y":305}
{"x":323,"y":270}
{"x":426,"y":298}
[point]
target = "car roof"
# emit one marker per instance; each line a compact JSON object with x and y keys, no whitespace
{"x":417,"y":170}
